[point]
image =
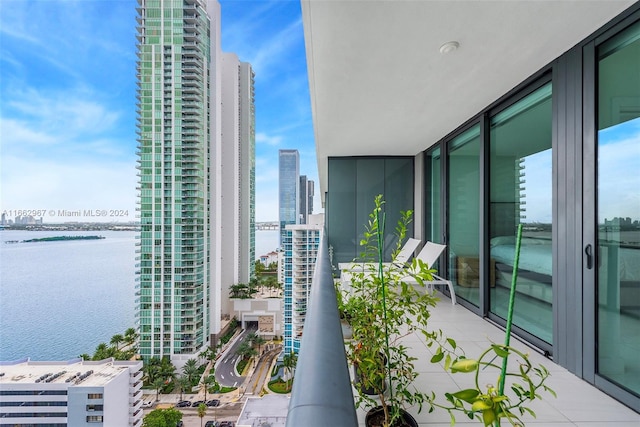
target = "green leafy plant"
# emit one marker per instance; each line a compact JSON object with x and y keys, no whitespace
{"x":386,"y":302}
{"x":491,"y":403}
{"x":514,"y":389}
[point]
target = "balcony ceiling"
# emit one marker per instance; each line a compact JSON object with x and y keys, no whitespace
{"x":380,"y":86}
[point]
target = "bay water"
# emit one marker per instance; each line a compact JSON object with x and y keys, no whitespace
{"x":59,"y":299}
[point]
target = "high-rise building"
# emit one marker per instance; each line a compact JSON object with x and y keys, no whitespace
{"x":238,"y":175}
{"x":305,"y":207}
{"x":302,"y":202}
{"x":289,"y":189}
{"x":300,"y":246}
{"x":71,"y":393}
{"x":181,"y":150}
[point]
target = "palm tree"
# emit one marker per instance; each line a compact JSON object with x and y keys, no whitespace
{"x":102,"y":352}
{"x":157,"y":384}
{"x":130,"y":336}
{"x":209,"y":354}
{"x":85,"y":356}
{"x":258,"y":340}
{"x":202,"y":411}
{"x":244,"y":349}
{"x":183,"y":383}
{"x":190,"y":369}
{"x":151,"y":369}
{"x":116,"y":340}
{"x":206,"y":383}
{"x":166,"y":371}
{"x":289,"y":361}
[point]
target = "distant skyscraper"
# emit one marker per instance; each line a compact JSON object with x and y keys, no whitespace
{"x":305,"y":207}
{"x":302,"y":201}
{"x":300,"y":246}
{"x":183,"y":265}
{"x":289,"y":189}
{"x":311,"y":192}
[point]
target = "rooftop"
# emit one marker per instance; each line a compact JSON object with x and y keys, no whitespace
{"x":270,"y":410}
{"x":68,"y":373}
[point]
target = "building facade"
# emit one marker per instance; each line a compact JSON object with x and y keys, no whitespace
{"x":488,"y":144}
{"x":288,"y":189}
{"x":238,"y":174}
{"x":184,"y":267}
{"x":71,"y":393}
{"x":300,"y":249}
{"x":305,"y":207}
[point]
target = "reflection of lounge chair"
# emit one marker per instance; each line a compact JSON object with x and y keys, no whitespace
{"x":429,"y":254}
{"x":400,"y":260}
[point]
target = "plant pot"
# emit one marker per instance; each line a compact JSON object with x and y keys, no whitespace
{"x":375,"y":418}
{"x":347,"y":331}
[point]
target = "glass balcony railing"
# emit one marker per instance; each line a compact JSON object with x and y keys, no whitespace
{"x":316,"y":394}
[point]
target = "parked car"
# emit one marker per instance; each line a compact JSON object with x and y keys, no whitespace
{"x":180,"y":424}
{"x":183,"y":404}
{"x":213,"y":402}
{"x":225,"y":424}
{"x":197,"y":403}
{"x":147,"y":404}
{"x":211,"y":424}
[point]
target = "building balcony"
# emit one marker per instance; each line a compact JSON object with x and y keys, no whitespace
{"x":322,"y":350}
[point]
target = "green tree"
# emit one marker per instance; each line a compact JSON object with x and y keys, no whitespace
{"x":85,"y":356}
{"x":190,"y":369}
{"x":116,"y":340}
{"x":157,"y":384}
{"x":162,"y":418}
{"x":209,"y":354}
{"x":151,"y":369}
{"x":289,"y":362}
{"x":202,"y":411}
{"x":103,"y":351}
{"x":183,"y":384}
{"x":130,"y":336}
{"x":208,"y":383}
{"x":166,"y":370}
{"x":258,"y":340}
{"x":259,"y":267}
{"x":244,"y":350}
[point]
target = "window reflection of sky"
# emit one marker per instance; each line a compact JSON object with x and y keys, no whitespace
{"x":619,"y":171}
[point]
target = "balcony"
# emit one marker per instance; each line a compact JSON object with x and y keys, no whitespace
{"x":316,"y":394}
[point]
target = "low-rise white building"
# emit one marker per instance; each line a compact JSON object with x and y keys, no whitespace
{"x":71,"y":393}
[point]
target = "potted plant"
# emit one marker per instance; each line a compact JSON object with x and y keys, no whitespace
{"x":514,"y":387}
{"x":385,"y":305}
{"x":506,"y":398}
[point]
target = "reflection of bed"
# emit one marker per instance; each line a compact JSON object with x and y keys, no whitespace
{"x":535,"y":270}
{"x":534,"y":265}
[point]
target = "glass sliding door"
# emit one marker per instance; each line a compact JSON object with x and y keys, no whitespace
{"x":618,"y":210}
{"x":433,"y":169}
{"x":521,"y":190}
{"x":464,"y":214}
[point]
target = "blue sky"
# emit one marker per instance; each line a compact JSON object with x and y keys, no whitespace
{"x":67,"y":101}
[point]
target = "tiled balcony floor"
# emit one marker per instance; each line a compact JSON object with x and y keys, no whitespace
{"x":577,"y":403}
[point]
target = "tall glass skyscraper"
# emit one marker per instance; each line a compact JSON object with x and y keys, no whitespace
{"x":289,"y":189}
{"x":182,"y":275}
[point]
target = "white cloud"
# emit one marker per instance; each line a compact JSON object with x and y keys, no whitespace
{"x":263,"y":138}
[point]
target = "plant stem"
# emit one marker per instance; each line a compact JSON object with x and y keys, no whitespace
{"x":380,"y":240}
{"x":512,"y":298}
